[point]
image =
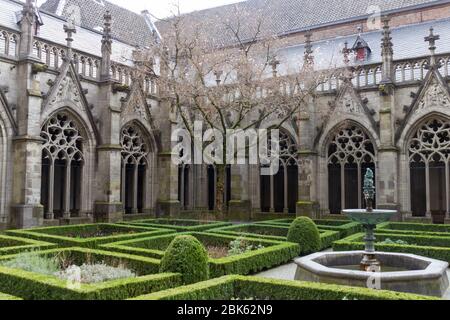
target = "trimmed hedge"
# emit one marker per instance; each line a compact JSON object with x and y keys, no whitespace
{"x":240,"y":287}
{"x":180,"y":225}
{"x":12,"y":245}
{"x":346,"y":228}
{"x":69,"y":236}
{"x":272,"y":232}
{"x":186,"y":255}
{"x":273,"y":254}
{"x":34,"y":286}
{"x":7,"y":297}
{"x":434,"y":247}
{"x":305,"y":232}
{"x":398,"y":227}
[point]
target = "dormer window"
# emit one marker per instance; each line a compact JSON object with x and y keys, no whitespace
{"x":361,"y":49}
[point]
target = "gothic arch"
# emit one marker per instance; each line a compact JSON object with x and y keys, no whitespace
{"x":67,"y":158}
{"x":138,"y":168}
{"x":427,"y":150}
{"x":347,"y":152}
{"x":7,"y":131}
{"x":279,"y":193}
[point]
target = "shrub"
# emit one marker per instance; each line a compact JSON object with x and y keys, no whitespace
{"x":254,"y":288}
{"x":33,"y":262}
{"x":240,"y":246}
{"x":305,"y":232}
{"x":94,"y":273}
{"x":186,"y":255}
{"x":35,"y":286}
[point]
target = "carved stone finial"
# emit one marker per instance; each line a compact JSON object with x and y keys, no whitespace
{"x":218,"y":75}
{"x":308,"y":57}
{"x":274,"y":63}
{"x":386,"y":43}
{"x":346,"y":52}
{"x":107,"y":27}
{"x":70,"y":29}
{"x":431,"y":39}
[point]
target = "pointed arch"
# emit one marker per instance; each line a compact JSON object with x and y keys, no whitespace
{"x":8,"y":129}
{"x":67,"y":158}
{"x":427,"y":150}
{"x":138,"y":161}
{"x":348,"y":151}
{"x":279,"y":193}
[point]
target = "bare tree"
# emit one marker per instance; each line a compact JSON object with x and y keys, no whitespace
{"x":226,"y":74}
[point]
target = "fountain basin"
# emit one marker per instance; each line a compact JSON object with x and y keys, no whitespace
{"x":370,"y":218}
{"x":417,"y":274}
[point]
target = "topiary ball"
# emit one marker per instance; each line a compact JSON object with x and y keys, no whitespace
{"x":186,"y":255}
{"x":305,"y":232}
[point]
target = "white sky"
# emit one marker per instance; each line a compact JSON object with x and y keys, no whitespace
{"x":164,"y":8}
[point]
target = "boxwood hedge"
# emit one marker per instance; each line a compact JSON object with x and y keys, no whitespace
{"x":435,"y":247}
{"x":88,"y":236}
{"x":5,"y":297}
{"x":345,"y":227}
{"x":180,"y":225}
{"x":273,"y":254}
{"x":34,"y":286}
{"x":11,"y":245}
{"x":241,"y":287}
{"x":399,"y":227}
{"x":272,"y":232}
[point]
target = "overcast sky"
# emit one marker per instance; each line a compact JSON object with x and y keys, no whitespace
{"x":164,"y":8}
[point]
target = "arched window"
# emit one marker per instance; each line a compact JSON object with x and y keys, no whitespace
{"x":429,"y":156}
{"x":279,"y":193}
{"x":62,"y":162}
{"x":3,"y":42}
{"x":12,"y":45}
{"x":134,"y":168}
{"x":350,"y":154}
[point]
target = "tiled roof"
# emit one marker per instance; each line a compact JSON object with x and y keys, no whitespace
{"x":286,"y":16}
{"x":85,"y":40}
{"x":127,"y":26}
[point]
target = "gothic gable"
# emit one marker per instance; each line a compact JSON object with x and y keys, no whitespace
{"x":67,"y":92}
{"x":433,"y":96}
{"x":348,"y":105}
{"x":135,"y":106}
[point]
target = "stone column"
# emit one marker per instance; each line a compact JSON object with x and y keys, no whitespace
{"x":108,"y":206}
{"x":27,"y":210}
{"x":239,"y":208}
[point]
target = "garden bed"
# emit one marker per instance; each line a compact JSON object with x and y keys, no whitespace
{"x":345,"y":227}
{"x":253,"y":288}
{"x":88,"y":236}
{"x":180,"y":225}
{"x":272,"y":232}
{"x":11,"y":245}
{"x":41,"y":282}
{"x":434,"y":247}
{"x":414,"y":228}
{"x":264,"y":254}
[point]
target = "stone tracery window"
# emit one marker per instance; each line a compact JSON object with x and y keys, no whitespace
{"x":134,"y":168}
{"x":279,"y":193}
{"x":350,"y":153}
{"x":62,"y":162}
{"x":429,"y":156}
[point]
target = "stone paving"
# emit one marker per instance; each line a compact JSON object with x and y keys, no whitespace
{"x":287,"y":272}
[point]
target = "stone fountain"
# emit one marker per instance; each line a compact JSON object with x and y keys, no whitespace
{"x":372,"y":269}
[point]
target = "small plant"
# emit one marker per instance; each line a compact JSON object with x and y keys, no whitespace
{"x":33,"y":262}
{"x":186,"y":255}
{"x":305,"y":232}
{"x":398,"y":242}
{"x":95,"y":273}
{"x":240,"y":246}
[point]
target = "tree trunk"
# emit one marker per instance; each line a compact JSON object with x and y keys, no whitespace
{"x":220,"y":188}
